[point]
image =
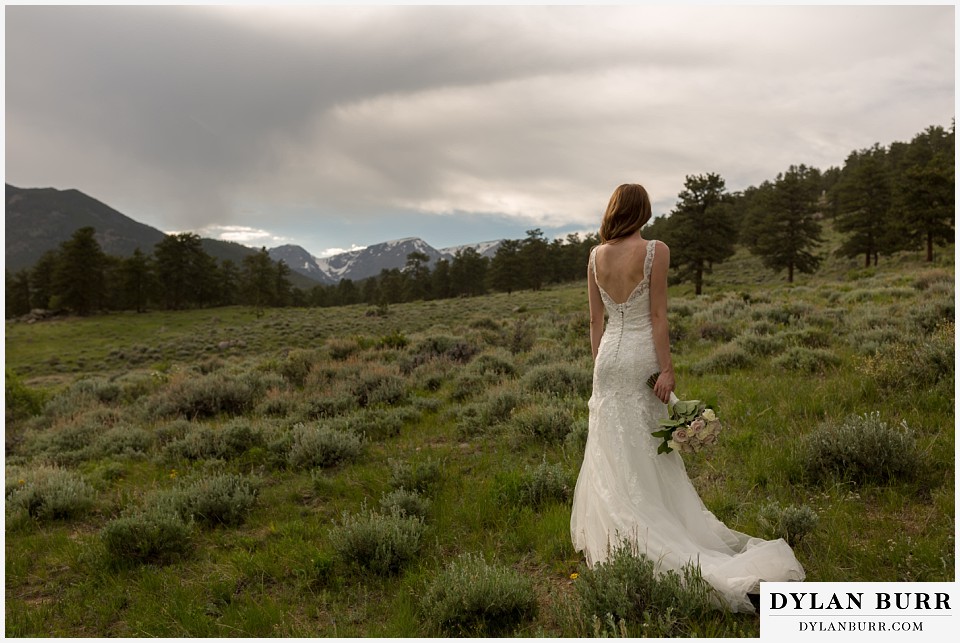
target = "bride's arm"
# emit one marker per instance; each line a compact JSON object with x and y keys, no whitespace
{"x":658,"y":318}
{"x":596,"y":312}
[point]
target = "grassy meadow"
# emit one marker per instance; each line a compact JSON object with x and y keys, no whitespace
{"x":343,"y":472}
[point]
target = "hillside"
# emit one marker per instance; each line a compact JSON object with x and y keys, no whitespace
{"x":38,"y":220}
{"x":298,"y":430}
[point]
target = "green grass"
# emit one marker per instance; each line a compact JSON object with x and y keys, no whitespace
{"x":277,"y":573}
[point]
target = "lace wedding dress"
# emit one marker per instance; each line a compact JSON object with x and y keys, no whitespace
{"x":627,"y":492}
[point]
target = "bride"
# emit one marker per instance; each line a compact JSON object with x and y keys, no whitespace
{"x":626,"y":492}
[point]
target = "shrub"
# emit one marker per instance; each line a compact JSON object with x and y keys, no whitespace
{"x":380,"y":543}
{"x":549,"y":424}
{"x":713,"y":331}
{"x":724,"y":359}
{"x":861,"y":448}
{"x":406,"y":503}
{"x":379,"y":386}
{"x":559,"y":379}
{"x":204,"y":442}
{"x":928,"y":316}
{"x":222,"y":499}
{"x":377,"y":423}
{"x":124,"y":440}
{"x":792,"y":523}
{"x":172,"y":431}
{"x":210,"y":395}
{"x":926,"y":279}
{"x":330,"y":406}
{"x":48,"y":493}
{"x":628,"y":586}
{"x":471,"y":597}
{"x":439,"y":347}
{"x":153,"y":535}
{"x":340,"y":349}
{"x":322,"y":446}
{"x":520,"y":338}
{"x":760,"y":345}
{"x":297,"y":365}
{"x":497,"y":362}
{"x":808,"y":360}
{"x":22,"y":401}
{"x":914,"y":365}
{"x":423,"y":476}
{"x":537,"y":486}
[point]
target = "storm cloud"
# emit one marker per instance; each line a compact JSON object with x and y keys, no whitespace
{"x":284,"y":119}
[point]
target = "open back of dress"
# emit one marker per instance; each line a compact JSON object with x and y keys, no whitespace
{"x":626,"y":491}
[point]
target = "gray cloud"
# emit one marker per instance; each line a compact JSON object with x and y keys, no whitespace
{"x":188,"y":115}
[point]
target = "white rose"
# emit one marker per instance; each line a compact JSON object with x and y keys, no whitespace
{"x":709,"y":415}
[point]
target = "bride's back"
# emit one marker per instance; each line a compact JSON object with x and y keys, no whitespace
{"x":619,"y":266}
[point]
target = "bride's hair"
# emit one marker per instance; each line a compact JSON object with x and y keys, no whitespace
{"x":627,"y":212}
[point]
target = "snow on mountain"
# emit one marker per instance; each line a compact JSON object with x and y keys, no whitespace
{"x":484,"y":248}
{"x":368,"y":262}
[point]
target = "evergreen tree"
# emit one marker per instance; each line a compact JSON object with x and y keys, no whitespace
{"x":42,"y":281}
{"x":183,"y":270}
{"x":347,"y":293}
{"x":783,"y":229}
{"x":925,"y":195}
{"x":440,"y":279}
{"x":417,"y":272}
{"x":371,"y":291}
{"x":863,"y":200}
{"x":79,"y":274}
{"x":17,"y":300}
{"x":468,"y":273}
{"x":534,"y":260}
{"x":702,"y":231}
{"x":504,"y":269}
{"x":283,"y":289}
{"x":137,"y":281}
{"x":259,"y":281}
{"x":228,"y":286}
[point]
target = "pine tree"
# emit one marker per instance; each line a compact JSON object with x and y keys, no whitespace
{"x":259,"y":281}
{"x":17,"y":300}
{"x":783,"y":228}
{"x":863,"y":200}
{"x":137,"y":281}
{"x":925,"y":195}
{"x":504,"y":269}
{"x":79,"y":274}
{"x":183,"y":270}
{"x":701,"y":231}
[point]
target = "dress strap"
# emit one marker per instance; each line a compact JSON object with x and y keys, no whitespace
{"x":648,"y":262}
{"x":592,"y":264}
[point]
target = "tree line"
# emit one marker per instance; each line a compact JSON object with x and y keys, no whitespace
{"x":883,"y":199}
{"x":179,"y":274}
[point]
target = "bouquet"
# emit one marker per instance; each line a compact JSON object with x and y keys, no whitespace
{"x":691,"y":425}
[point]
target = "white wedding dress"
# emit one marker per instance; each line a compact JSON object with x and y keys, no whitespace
{"x":627,"y":492}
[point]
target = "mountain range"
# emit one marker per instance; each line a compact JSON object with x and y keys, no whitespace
{"x":40,"y":219}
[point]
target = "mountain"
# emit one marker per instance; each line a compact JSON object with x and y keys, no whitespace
{"x":301,"y":262}
{"x":40,"y":219}
{"x":368,"y":262}
{"x":484,"y":248}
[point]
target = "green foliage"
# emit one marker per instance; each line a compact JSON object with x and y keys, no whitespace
{"x":220,"y":499}
{"x":915,"y":365}
{"x":152,"y":535}
{"x":860,"y":448}
{"x":379,"y":543}
{"x":537,"y":486}
{"x":210,"y":395}
{"x":47,"y":493}
{"x":558,"y":379}
{"x":405,"y":503}
{"x":629,"y":586}
{"x":726,"y":358}
{"x":22,"y":401}
{"x":807,"y":360}
{"x":204,"y":442}
{"x":322,"y":446}
{"x":543,"y":424}
{"x":422,"y":476}
{"x":471,"y":597}
{"x":792,"y":523}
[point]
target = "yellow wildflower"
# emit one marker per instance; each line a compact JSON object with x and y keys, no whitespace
{"x":574,"y":576}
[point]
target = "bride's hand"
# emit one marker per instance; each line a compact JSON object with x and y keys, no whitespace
{"x":664,"y":386}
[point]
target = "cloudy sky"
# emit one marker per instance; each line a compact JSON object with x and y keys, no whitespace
{"x":341,"y":126}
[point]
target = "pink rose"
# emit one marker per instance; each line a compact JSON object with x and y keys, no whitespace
{"x":697,"y":426}
{"x":680,"y":436}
